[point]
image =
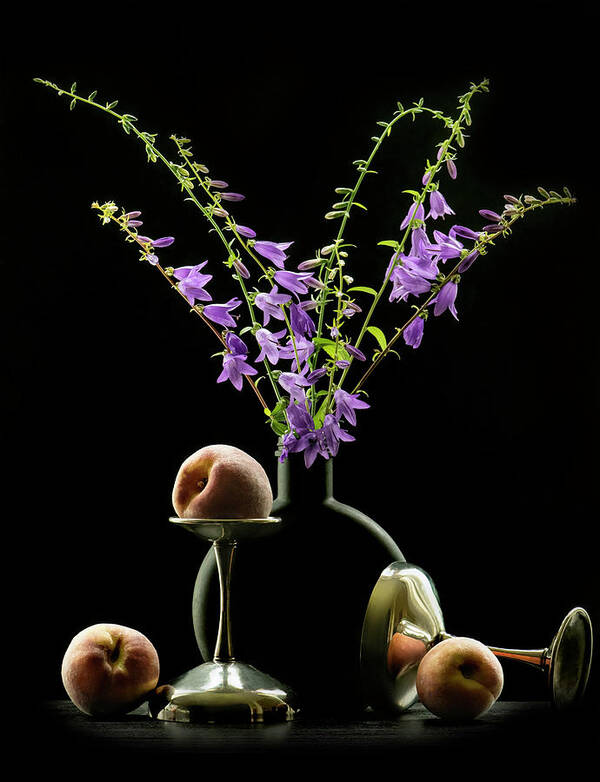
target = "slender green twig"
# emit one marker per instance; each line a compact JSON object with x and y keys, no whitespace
{"x":132,"y":236}
{"x":127,"y":121}
{"x":443,"y":156}
{"x":480,"y":246}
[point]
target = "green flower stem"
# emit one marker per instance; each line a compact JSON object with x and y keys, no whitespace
{"x":217,"y":203}
{"x":266,"y":364}
{"x":133,"y":237}
{"x":481,"y":247}
{"x":363,"y":171}
{"x":326,"y":268}
{"x":128,"y":125}
{"x":456,"y":130}
{"x":231,"y":224}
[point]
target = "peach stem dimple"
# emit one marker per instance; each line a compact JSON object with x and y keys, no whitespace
{"x":467,"y":670}
{"x":114,"y":655}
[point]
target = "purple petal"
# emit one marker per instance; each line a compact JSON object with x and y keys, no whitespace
{"x":466,"y":233}
{"x":232,"y":196}
{"x":164,"y":241}
{"x":243,"y":230}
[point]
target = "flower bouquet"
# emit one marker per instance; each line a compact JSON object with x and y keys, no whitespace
{"x":309,"y":339}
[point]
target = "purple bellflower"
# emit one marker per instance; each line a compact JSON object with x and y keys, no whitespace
{"x":293,"y":281}
{"x":273,"y":251}
{"x":445,"y":299}
{"x":271,"y":304}
{"x":300,"y":321}
{"x":412,"y":275}
{"x":219,"y":313}
{"x":438,"y":206}
{"x":303,"y":348}
{"x":346,"y":404}
{"x":269,"y":345}
{"x":234,"y":362}
{"x":414,"y":213}
{"x":413,"y":333}
{"x":333,"y":433}
{"x":446,"y":246}
{"x":191,"y":282}
{"x":294,"y":384}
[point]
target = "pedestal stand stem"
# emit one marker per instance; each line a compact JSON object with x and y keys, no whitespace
{"x":224,"y":551}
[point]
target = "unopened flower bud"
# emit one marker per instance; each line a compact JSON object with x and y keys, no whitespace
{"x":468,"y":260}
{"x":489,"y":215}
{"x":312,"y":264}
{"x":164,"y":241}
{"x":466,"y":233}
{"x":232,"y":196}
{"x":243,"y":230}
{"x":241,"y":269}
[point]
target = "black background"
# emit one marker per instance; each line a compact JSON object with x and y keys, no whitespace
{"x":479,"y":452}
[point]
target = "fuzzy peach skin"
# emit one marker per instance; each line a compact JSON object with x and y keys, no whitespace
{"x":222,"y":482}
{"x":109,"y":669}
{"x":459,"y":679}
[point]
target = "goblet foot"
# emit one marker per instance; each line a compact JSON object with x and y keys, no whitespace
{"x":222,"y":692}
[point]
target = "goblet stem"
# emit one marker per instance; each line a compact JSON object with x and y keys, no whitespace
{"x":224,"y":551}
{"x":539,"y":658}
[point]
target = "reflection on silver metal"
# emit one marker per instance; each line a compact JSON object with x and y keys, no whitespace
{"x":566,"y":661}
{"x":404,"y":620}
{"x":225,"y":689}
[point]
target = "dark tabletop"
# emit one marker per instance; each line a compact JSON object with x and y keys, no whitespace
{"x":523,"y":735}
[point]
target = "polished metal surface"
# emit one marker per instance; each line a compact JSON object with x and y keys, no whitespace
{"x":229,"y":529}
{"x":402,"y":622}
{"x":566,"y":661}
{"x":224,"y":690}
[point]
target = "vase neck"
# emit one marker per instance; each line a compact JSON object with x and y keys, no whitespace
{"x":298,"y":483}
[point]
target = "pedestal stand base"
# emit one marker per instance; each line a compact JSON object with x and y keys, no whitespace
{"x":222,"y":692}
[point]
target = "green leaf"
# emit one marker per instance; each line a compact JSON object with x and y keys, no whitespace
{"x":329,"y":346}
{"x":278,"y":427}
{"x":320,"y":415}
{"x":364,"y":289}
{"x":379,"y":336}
{"x":412,"y":192}
{"x":389,"y":243}
{"x":92,"y":95}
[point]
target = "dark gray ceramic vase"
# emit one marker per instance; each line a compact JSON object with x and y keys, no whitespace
{"x":299,"y":597}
